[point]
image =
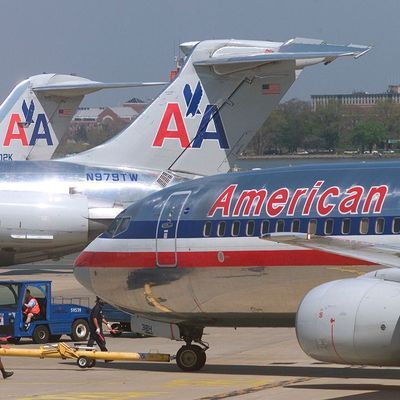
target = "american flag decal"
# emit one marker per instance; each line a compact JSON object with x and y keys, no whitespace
{"x":64,"y":112}
{"x":271,"y":88}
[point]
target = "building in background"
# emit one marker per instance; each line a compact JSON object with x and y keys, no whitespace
{"x":357,"y":100}
{"x":137,"y":104}
{"x":92,"y":117}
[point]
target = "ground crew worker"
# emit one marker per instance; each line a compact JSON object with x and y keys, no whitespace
{"x":6,"y":374}
{"x":32,"y":308}
{"x":95,"y":325}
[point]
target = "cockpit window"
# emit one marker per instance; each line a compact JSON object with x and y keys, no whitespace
{"x":118,"y":226}
{"x":123,"y":226}
{"x":113,"y":226}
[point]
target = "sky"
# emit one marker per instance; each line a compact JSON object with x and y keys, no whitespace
{"x":127,"y":40}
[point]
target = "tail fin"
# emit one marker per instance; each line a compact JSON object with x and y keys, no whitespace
{"x":209,"y":113}
{"x":38,"y":112}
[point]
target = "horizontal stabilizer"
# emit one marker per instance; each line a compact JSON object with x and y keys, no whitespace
{"x":380,"y":255}
{"x":294,"y":49}
{"x":85,"y":86}
{"x":207,"y":115}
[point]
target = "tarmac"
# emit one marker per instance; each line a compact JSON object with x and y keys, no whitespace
{"x":243,"y":364}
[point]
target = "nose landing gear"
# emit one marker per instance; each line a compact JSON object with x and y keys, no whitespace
{"x":192,"y":357}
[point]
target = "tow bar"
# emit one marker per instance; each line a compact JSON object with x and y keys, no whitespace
{"x":85,"y":356}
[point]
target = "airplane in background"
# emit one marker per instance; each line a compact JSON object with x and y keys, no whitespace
{"x":38,"y":111}
{"x":245,"y":249}
{"x":197,"y":126}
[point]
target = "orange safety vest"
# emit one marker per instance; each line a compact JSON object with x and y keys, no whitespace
{"x":35,"y":309}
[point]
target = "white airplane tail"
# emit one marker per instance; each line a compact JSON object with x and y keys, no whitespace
{"x":208,"y":114}
{"x":37,"y":113}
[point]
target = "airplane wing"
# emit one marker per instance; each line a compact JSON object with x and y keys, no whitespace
{"x":377,"y":254}
{"x":294,"y":49}
{"x":86,"y":86}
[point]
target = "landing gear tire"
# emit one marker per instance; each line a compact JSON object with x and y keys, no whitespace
{"x":191,"y":358}
{"x":84,"y":362}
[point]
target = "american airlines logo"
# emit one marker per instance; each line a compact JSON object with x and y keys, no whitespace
{"x":192,"y":99}
{"x":173,"y":127}
{"x":17,"y":128}
{"x":301,"y":201}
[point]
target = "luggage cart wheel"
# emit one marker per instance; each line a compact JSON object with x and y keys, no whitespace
{"x":84,"y":362}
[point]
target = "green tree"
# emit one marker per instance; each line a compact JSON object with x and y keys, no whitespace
{"x":326,"y":124}
{"x":81,"y":134}
{"x":294,"y":132}
{"x":388,"y":113}
{"x":368,"y":134}
{"x":267,"y":137}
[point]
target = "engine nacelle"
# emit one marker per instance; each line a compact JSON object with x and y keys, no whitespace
{"x":39,"y":223}
{"x":352,"y":321}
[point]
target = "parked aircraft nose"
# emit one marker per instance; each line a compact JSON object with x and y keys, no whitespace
{"x":82,"y":270}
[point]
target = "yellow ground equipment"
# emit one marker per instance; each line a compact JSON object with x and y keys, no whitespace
{"x":85,"y":357}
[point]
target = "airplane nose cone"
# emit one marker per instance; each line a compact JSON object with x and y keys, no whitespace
{"x":82,"y":270}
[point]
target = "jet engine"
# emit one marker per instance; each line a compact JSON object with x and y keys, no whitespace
{"x":353,"y":321}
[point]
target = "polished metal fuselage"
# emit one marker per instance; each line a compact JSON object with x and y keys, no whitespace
{"x":251,"y":296}
{"x":165,"y":266}
{"x":52,"y":208}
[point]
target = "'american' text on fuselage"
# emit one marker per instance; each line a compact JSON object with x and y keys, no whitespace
{"x":300,"y":201}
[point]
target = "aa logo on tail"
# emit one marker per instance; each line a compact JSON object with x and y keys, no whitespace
{"x":173,"y":127}
{"x":193,"y":99}
{"x":16,"y":130}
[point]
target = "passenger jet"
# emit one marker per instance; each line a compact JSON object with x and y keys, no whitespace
{"x":245,"y":249}
{"x":195,"y":127}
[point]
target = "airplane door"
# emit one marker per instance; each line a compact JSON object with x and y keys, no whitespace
{"x":167,"y":228}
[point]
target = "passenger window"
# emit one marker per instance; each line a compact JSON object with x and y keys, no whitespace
{"x":280,"y":226}
{"x":379,"y":225}
{"x":264,"y":227}
{"x":123,"y":226}
{"x":346,"y":226}
{"x":235,"y":228}
{"x":312,"y":227}
{"x":250,"y":228}
{"x":396,"y":225}
{"x":364,"y":225}
{"x":221,"y":228}
{"x":296,"y":225}
{"x":207,"y":229}
{"x":328,"y":229}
